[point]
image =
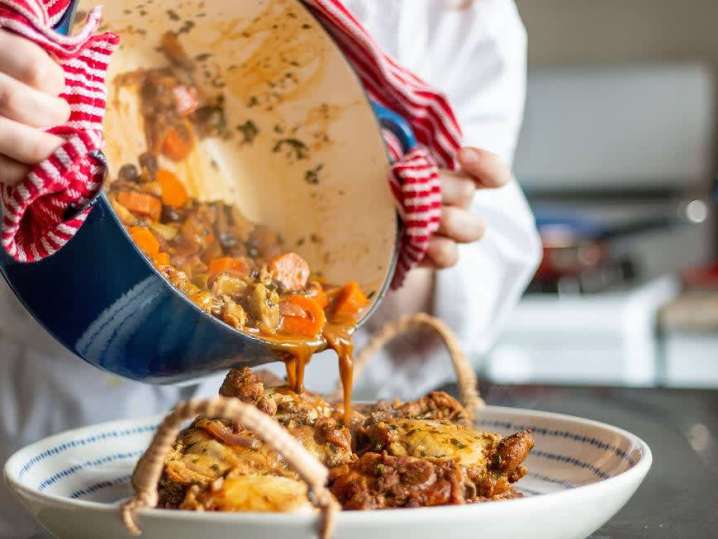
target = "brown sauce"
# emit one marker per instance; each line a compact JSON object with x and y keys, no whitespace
{"x":296,"y":355}
{"x":339,"y":338}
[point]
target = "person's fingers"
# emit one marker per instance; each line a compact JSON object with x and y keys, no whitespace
{"x":486,"y":168}
{"x":26,"y":144}
{"x":442,"y":253}
{"x":461,"y":225}
{"x":11,"y":172}
{"x":31,"y":107}
{"x":24,"y":61}
{"x":457,"y":190}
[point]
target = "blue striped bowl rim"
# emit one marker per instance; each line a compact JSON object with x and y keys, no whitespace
{"x":571,"y":454}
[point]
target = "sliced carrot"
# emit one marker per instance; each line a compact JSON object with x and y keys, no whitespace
{"x":176,"y":145}
{"x":145,"y":240}
{"x":228,"y":264}
{"x":173,"y":190}
{"x":349,"y":301}
{"x":310,"y":324}
{"x":141,"y":203}
{"x":290,"y":270}
{"x":161,"y":259}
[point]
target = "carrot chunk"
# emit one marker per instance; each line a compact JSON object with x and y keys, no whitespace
{"x":161,"y":259}
{"x":142,"y":204}
{"x":290,"y":270}
{"x":309,"y":324}
{"x":349,"y":302}
{"x":145,"y":240}
{"x":228,"y":264}
{"x":173,"y":190}
{"x":176,"y":145}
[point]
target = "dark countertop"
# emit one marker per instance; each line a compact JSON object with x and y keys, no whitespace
{"x":679,"y":498}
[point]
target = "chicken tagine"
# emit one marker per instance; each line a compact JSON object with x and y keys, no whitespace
{"x":390,"y":455}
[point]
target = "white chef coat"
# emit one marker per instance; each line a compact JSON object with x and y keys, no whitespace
{"x":475,"y":52}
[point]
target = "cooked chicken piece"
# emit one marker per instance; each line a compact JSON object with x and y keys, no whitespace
{"x":211,"y":449}
{"x":487,"y":462}
{"x":260,"y":493}
{"x":412,"y":454}
{"x":428,"y":438}
{"x":511,"y":453}
{"x":232,"y":313}
{"x":263,"y":305}
{"x":244,"y":385}
{"x":435,"y":405}
{"x":381,"y":481}
{"x":422,"y":462}
{"x":307,"y":416}
{"x":227,"y":284}
{"x":278,"y":400}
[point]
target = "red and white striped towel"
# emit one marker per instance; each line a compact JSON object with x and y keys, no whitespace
{"x":35,"y":220}
{"x":34,"y":213}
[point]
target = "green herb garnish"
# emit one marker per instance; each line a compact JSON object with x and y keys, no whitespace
{"x":249,"y":131}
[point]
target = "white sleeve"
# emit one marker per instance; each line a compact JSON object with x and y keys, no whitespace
{"x":477,"y":56}
{"x":486,"y":83}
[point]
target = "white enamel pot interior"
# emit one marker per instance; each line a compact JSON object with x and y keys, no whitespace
{"x":278,"y":69}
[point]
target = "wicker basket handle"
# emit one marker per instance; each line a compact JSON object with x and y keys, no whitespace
{"x":465,"y":375}
{"x":149,"y":468}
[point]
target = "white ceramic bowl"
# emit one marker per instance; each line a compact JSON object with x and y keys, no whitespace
{"x":581,"y":473}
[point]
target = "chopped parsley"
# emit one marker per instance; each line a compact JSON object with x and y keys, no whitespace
{"x":293,"y":146}
{"x":249,"y":131}
{"x":311,"y":176}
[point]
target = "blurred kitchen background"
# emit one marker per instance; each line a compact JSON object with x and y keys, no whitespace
{"x":618,"y":159}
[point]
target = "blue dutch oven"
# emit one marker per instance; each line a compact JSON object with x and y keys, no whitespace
{"x":103,"y":300}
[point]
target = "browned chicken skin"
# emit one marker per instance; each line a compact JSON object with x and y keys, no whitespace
{"x":393,"y":454}
{"x":435,"y":405}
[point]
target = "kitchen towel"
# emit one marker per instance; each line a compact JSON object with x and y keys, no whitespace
{"x":44,"y":211}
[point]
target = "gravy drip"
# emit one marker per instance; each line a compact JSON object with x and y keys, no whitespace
{"x":296,"y":355}
{"x":339,"y":339}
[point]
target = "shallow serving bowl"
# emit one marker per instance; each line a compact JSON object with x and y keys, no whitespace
{"x":581,"y":473}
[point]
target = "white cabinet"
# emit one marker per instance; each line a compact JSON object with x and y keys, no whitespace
{"x":607,"y":338}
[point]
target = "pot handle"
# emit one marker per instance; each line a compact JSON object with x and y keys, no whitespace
{"x":465,"y":374}
{"x":397,"y":124}
{"x":149,"y":468}
{"x":63,"y":27}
